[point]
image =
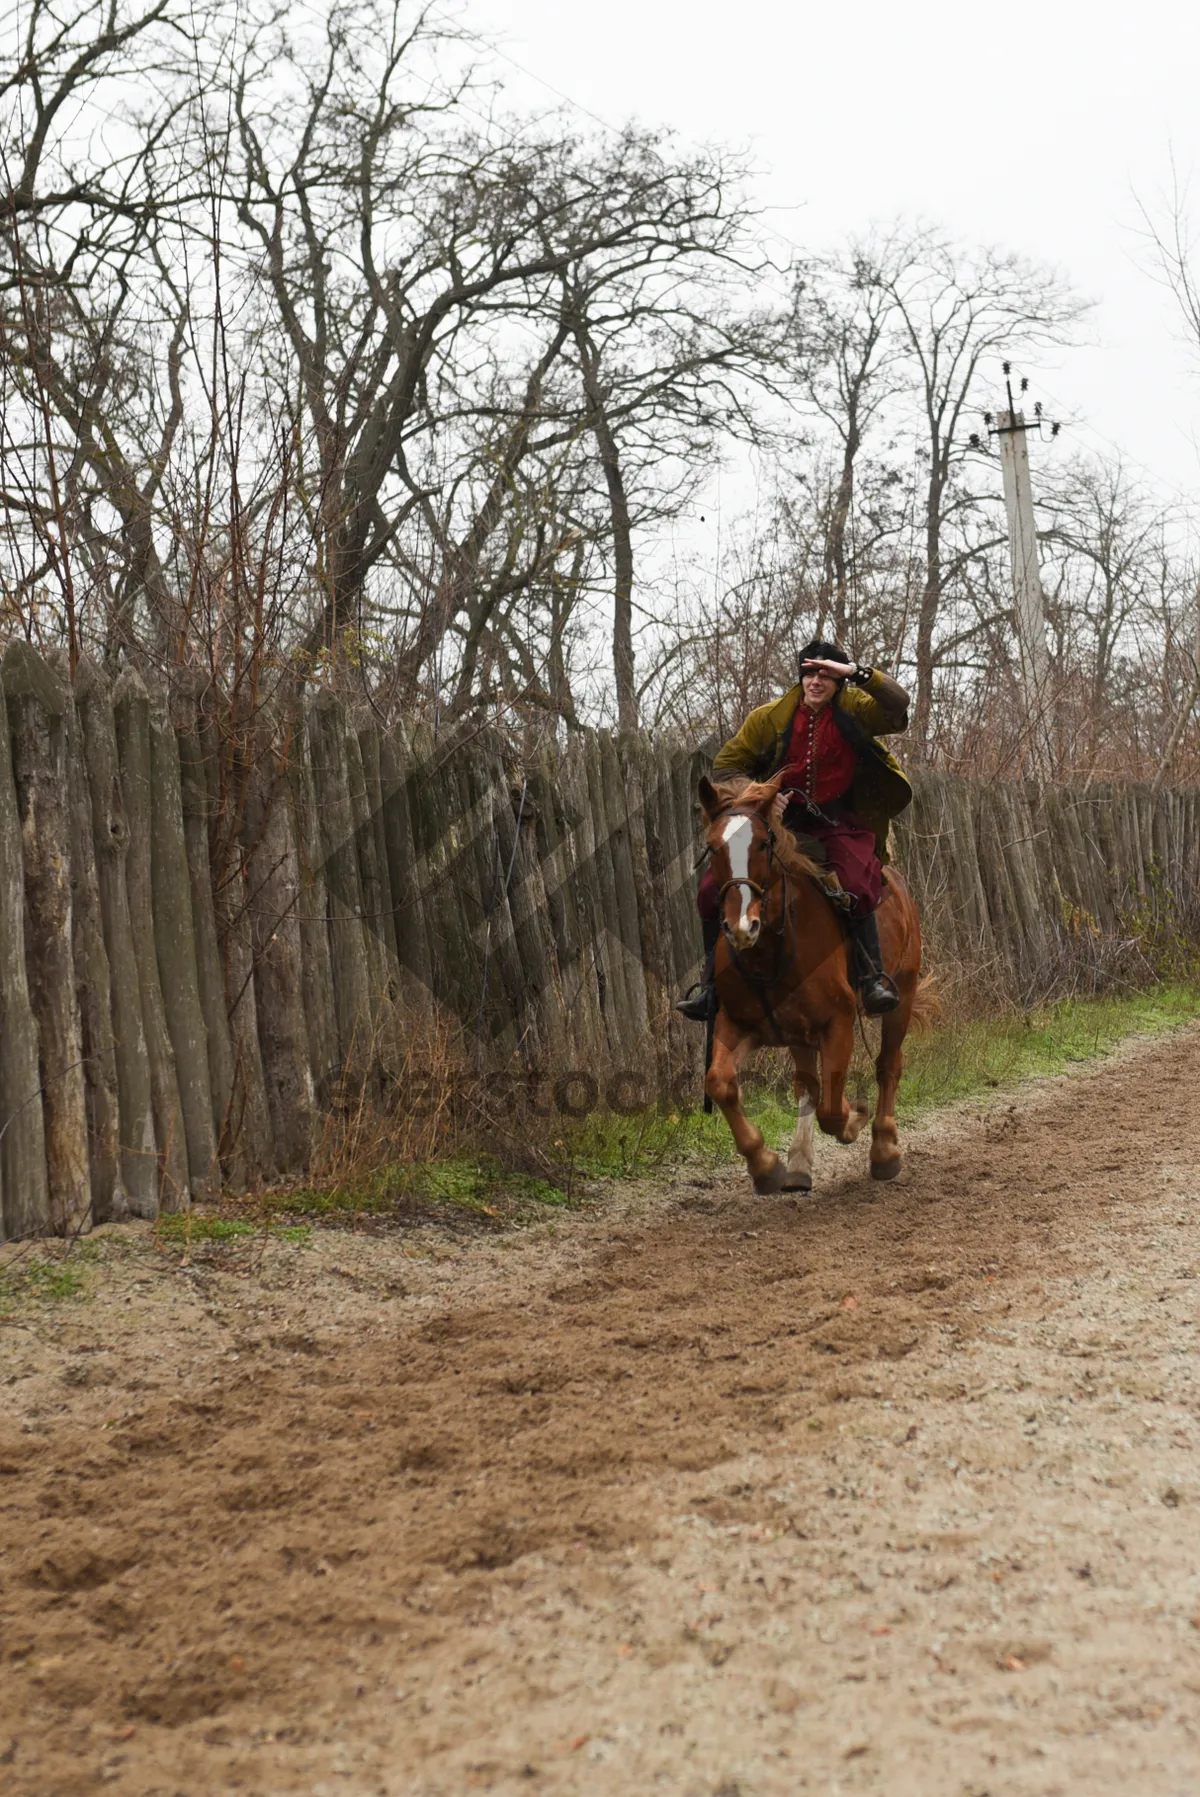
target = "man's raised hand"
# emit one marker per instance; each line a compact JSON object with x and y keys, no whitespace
{"x":836,"y":670}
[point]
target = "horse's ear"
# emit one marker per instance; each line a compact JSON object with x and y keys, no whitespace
{"x":710,"y":801}
{"x":765,"y":793}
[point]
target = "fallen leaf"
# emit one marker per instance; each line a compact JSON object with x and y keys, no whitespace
{"x":578,"y":1742}
{"x":624,"y":1650}
{"x":881,"y":1631}
{"x":1014,"y":1664}
{"x":850,"y":1303}
{"x":237,"y":1663}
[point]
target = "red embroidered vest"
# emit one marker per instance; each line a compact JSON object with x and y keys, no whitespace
{"x":820,"y":761}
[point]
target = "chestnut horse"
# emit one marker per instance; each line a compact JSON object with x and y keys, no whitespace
{"x":782,"y":979}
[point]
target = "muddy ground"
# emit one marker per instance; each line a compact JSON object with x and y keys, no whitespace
{"x":893,"y":1489}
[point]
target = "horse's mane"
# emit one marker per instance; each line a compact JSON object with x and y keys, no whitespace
{"x":793,"y":860}
{"x":749,"y":793}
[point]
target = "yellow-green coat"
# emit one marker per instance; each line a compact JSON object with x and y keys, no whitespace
{"x":877,"y":707}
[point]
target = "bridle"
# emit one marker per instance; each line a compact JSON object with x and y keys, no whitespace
{"x":759,"y":984}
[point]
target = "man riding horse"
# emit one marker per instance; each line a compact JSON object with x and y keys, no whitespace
{"x":839,"y":792}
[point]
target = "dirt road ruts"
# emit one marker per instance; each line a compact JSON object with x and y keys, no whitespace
{"x":889,"y":1489}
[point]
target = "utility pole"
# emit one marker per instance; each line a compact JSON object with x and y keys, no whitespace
{"x":1028,"y":597}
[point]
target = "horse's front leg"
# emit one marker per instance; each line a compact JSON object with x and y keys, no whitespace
{"x":807,"y":1087}
{"x":835,"y":1114}
{"x":766,"y":1168}
{"x":886,"y":1158}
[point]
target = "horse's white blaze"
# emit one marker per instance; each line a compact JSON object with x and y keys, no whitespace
{"x":737,"y":836}
{"x":800,"y":1154}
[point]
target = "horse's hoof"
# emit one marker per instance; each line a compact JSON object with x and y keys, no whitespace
{"x":886,"y":1169}
{"x":774,"y":1181}
{"x":798,"y":1182}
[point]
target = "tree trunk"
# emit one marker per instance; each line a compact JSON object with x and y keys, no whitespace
{"x":131,"y":714}
{"x":37,"y":707}
{"x":622,"y":533}
{"x":834,"y":583}
{"x":931,"y":603}
{"x":24,"y":1200}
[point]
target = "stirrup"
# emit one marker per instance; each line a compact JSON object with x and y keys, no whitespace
{"x":841,"y":900}
{"x":697,"y":1003}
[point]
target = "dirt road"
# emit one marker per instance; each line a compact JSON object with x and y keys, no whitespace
{"x":894,"y":1489}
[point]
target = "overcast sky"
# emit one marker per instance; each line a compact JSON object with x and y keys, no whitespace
{"x":1031,"y":125}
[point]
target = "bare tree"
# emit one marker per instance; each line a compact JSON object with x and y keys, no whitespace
{"x":847,"y":357}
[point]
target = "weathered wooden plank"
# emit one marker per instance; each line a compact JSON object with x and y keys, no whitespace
{"x":412,"y":944}
{"x":620,"y":1009}
{"x":374,"y":865}
{"x":645,"y":902}
{"x":432,"y":883}
{"x":196,"y":802}
{"x":343,"y":886}
{"x":273,"y":883}
{"x":175,"y":945}
{"x":465,"y":883}
{"x":549,"y":1039}
{"x":590,"y":975}
{"x":93,"y":986}
{"x":110,"y":838}
{"x":131,"y":714}
{"x":37,"y":706}
{"x":378,"y":934}
{"x":568,"y":894}
{"x":24,"y":1196}
{"x":316,"y":967}
{"x":519,"y":986}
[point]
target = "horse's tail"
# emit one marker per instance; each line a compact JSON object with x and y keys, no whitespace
{"x":927,"y":1003}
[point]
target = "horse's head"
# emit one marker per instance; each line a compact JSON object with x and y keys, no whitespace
{"x":741,"y":844}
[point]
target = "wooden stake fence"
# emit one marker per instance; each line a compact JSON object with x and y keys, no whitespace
{"x":187,"y":984}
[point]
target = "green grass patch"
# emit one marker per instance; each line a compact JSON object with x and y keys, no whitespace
{"x":180,"y":1227}
{"x":955,"y":1061}
{"x":185,"y":1226}
{"x":51,"y":1279}
{"x":474,"y":1184}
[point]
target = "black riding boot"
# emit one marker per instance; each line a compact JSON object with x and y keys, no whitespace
{"x":878,"y":991}
{"x":701,"y":999}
